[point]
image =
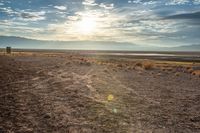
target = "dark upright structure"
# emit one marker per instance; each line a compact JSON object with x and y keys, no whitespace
{"x":8,"y":50}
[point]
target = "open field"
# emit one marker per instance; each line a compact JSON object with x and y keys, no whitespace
{"x":48,"y":92}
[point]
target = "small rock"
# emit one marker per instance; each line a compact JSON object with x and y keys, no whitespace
{"x":159,"y":74}
{"x":195,"y":119}
{"x":47,"y":116}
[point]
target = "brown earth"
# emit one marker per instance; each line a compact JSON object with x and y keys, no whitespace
{"x":59,"y":93}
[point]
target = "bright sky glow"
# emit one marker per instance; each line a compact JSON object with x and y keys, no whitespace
{"x":158,"y":22}
{"x":86,"y":26}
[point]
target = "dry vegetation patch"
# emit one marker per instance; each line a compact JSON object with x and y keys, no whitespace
{"x":146,"y":65}
{"x":196,"y":72}
{"x":177,"y":74}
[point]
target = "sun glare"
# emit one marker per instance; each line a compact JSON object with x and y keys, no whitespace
{"x":87,"y":26}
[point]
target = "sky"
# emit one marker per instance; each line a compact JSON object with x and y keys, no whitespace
{"x":147,"y":22}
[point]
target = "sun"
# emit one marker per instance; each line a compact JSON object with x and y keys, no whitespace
{"x":87,"y":25}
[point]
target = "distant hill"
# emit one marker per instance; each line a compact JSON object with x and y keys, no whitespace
{"x":20,"y":42}
{"x":187,"y":48}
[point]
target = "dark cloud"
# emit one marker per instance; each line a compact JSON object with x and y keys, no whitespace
{"x":195,"y":15}
{"x":33,"y":16}
{"x":28,"y":15}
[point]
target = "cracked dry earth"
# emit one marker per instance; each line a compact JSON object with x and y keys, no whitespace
{"x":65,"y":94}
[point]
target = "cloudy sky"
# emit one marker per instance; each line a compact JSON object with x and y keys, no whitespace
{"x":147,"y":22}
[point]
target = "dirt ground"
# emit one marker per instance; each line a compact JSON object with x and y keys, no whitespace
{"x":71,"y":93}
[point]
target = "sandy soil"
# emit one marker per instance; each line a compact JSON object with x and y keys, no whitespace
{"x":68,"y":93}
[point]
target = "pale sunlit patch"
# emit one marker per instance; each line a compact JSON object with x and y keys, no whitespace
{"x":87,"y":25}
{"x":110,"y":97}
{"x":115,"y":110}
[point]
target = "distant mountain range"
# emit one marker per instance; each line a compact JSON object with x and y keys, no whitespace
{"x":187,"y":48}
{"x":25,"y":43}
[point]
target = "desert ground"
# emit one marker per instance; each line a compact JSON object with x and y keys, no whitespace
{"x":46,"y":92}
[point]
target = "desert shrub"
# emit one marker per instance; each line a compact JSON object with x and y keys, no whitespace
{"x":190,"y":70}
{"x":170,"y":69}
{"x":138,"y":64}
{"x":87,"y":63}
{"x":147,"y":65}
{"x":57,"y":66}
{"x":196,"y":72}
{"x":188,"y":67}
{"x":114,"y":70}
{"x":163,"y":69}
{"x":130,"y":68}
{"x":105,"y":70}
{"x":119,"y":65}
{"x":67,"y":63}
{"x":94,"y":76}
{"x":177,"y":74}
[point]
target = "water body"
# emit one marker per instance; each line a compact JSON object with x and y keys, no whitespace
{"x":137,"y":54}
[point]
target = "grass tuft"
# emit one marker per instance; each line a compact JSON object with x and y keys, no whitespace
{"x":147,"y":65}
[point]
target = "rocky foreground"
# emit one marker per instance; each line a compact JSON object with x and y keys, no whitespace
{"x":59,"y":93}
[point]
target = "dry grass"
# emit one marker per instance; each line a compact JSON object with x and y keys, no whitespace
{"x":196,"y":72}
{"x":120,"y":65}
{"x":130,"y":68}
{"x":138,"y":64}
{"x":148,"y":65}
{"x":105,"y":70}
{"x":107,"y":99}
{"x":177,"y":74}
{"x":188,"y":67}
{"x":169,"y":69}
{"x":190,"y":70}
{"x":85,"y":63}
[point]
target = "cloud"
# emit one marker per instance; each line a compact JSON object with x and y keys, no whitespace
{"x":137,"y":21}
{"x":63,"y":8}
{"x":12,"y":23}
{"x":14,"y":28}
{"x":73,"y":18}
{"x":33,"y":16}
{"x":196,"y":2}
{"x":107,"y":6}
{"x":195,"y":15}
{"x":22,"y":14}
{"x":89,"y":3}
{"x":144,"y":2}
{"x":5,"y":23}
{"x":151,"y":3}
{"x":177,"y":2}
{"x":8,"y":10}
{"x":164,"y":2}
{"x":135,"y":1}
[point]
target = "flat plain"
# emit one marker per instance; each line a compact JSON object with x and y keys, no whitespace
{"x":84,"y":93}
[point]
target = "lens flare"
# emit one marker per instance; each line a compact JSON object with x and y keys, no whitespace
{"x":110,"y":97}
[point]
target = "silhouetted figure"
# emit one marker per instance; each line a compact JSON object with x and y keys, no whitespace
{"x":8,"y":50}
